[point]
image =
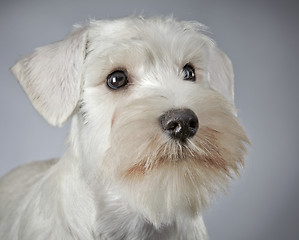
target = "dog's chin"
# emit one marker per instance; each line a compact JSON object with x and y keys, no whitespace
{"x":164,"y":179}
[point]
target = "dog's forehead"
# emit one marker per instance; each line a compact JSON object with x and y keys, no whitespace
{"x":155,"y":37}
{"x":144,"y":28}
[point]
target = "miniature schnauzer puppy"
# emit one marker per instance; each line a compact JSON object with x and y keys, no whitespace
{"x":154,"y":134}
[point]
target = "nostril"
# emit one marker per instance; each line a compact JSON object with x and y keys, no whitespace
{"x":172,"y":125}
{"x":193,"y":124}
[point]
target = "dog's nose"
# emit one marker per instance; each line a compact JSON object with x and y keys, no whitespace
{"x":180,"y":124}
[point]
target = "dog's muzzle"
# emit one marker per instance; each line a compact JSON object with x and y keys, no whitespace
{"x":179,"y":124}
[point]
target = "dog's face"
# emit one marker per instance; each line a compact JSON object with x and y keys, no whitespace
{"x":154,"y":110}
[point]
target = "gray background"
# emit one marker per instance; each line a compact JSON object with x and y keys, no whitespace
{"x":261,"y":38}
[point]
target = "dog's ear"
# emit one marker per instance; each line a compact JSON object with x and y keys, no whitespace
{"x":51,"y":76}
{"x":220,"y":71}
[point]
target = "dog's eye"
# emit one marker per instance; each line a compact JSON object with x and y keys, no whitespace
{"x":189,"y":73}
{"x":117,"y":80}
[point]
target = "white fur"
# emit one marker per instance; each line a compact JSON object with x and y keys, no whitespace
{"x":122,"y":177}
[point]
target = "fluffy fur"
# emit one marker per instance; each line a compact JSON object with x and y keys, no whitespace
{"x":122,"y":176}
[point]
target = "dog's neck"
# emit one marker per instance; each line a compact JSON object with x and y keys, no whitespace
{"x":117,"y":220}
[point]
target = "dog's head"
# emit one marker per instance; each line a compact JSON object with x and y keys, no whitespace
{"x":154,"y":109}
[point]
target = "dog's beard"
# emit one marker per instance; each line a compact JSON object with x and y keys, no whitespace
{"x":165,"y":179}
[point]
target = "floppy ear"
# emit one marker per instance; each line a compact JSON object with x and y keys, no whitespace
{"x":221,"y":75}
{"x":51,"y":76}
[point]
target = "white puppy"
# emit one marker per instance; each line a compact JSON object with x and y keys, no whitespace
{"x":154,"y":134}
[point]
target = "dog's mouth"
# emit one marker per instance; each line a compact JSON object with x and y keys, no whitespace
{"x":201,"y":151}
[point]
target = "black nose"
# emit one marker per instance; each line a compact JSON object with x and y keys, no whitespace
{"x":180,"y":124}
